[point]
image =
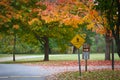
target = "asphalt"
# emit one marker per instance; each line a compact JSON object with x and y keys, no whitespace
{"x":22,"y":72}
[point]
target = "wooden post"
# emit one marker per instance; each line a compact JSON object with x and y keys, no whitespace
{"x":112,"y":54}
{"x":86,"y":65}
{"x":79,"y":62}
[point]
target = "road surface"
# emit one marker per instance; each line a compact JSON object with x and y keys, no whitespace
{"x":22,"y":72}
{"x":26,"y":72}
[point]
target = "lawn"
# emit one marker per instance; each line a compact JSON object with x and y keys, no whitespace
{"x":91,"y":75}
{"x":5,"y":55}
{"x":71,"y":57}
{"x":59,"y":57}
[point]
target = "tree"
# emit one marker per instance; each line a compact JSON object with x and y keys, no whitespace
{"x":24,"y":15}
{"x":99,"y":24}
{"x":9,"y":21}
{"x":52,"y":19}
{"x":48,"y":19}
{"x":56,"y":20}
{"x":111,"y":10}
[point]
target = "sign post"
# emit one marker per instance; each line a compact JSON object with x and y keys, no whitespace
{"x":79,"y":62}
{"x":86,"y":50}
{"x":78,"y":41}
{"x":112,"y":55}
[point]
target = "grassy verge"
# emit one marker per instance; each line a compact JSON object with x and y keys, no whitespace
{"x":94,"y":75}
{"x":5,"y":55}
{"x":54,"y":57}
{"x":72,"y":57}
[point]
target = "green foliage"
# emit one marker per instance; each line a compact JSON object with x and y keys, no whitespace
{"x":21,"y":4}
{"x":104,"y":6}
{"x":88,"y":33}
{"x":111,"y":11}
{"x":98,"y":44}
{"x":22,"y":46}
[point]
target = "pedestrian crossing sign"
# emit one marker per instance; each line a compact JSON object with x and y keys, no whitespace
{"x":77,"y":41}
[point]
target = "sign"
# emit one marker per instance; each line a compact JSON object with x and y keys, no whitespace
{"x":77,"y":41}
{"x":86,"y":48}
{"x":86,"y":55}
{"x":86,"y":51}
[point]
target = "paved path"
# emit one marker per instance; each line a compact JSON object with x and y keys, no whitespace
{"x":22,"y":72}
{"x":19,"y":57}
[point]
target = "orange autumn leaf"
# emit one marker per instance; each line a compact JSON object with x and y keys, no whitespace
{"x":62,"y":10}
{"x":16,"y":26}
{"x":90,"y":26}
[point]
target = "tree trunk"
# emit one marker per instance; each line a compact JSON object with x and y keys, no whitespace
{"x":118,"y":29}
{"x":118,"y":46}
{"x":46,"y":48}
{"x":74,"y":49}
{"x":108,"y":41}
{"x":14,"y":47}
{"x":45,"y":42}
{"x":116,"y":32}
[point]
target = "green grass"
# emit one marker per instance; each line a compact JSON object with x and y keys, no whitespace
{"x":57,"y":57}
{"x":75,"y":57}
{"x":5,"y":55}
{"x":93,"y":75}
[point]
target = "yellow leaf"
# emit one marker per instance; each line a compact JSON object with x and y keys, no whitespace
{"x":90,"y":26}
{"x":33,"y":20}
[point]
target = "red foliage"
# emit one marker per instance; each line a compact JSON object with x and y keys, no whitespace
{"x":75,"y":63}
{"x":89,"y":63}
{"x":61,"y":1}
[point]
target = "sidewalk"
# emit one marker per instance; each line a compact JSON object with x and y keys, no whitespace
{"x":18,"y":58}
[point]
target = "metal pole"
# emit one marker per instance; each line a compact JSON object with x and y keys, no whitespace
{"x":112,"y":54}
{"x":79,"y":62}
{"x":85,"y":65}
